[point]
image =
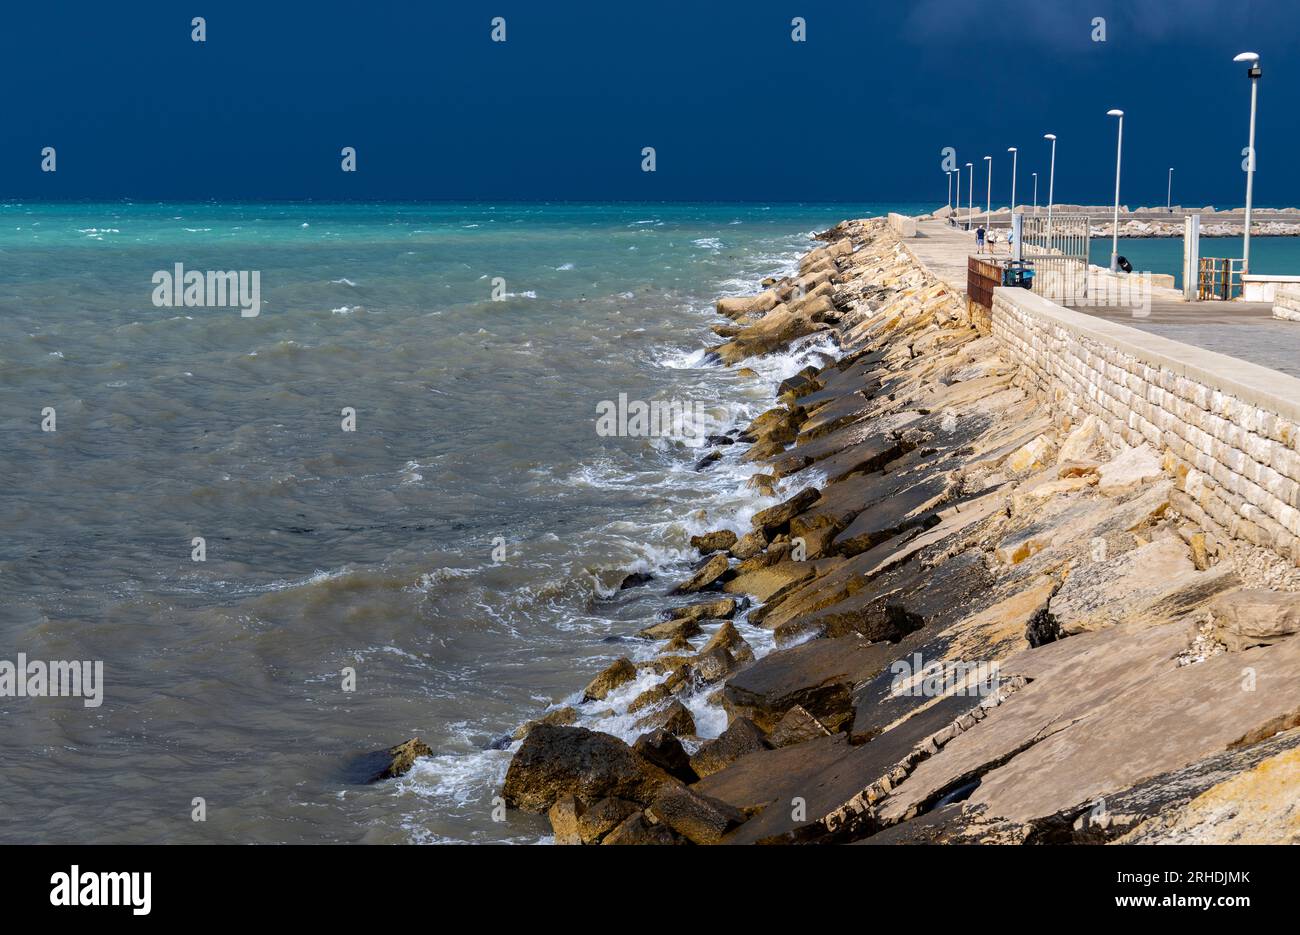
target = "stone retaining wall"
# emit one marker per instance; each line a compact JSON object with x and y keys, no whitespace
{"x":1227,"y":429}
{"x":1286,"y":303}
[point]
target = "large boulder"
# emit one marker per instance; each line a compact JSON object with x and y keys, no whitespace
{"x":1129,"y":470}
{"x":617,"y":674}
{"x":401,"y":758}
{"x":700,"y":819}
{"x":741,"y":737}
{"x":665,"y":751}
{"x":554,"y":762}
{"x":708,"y":573}
{"x":718,"y":541}
{"x":1243,"y":619}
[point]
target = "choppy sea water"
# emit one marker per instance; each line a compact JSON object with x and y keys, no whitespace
{"x":327,"y":550}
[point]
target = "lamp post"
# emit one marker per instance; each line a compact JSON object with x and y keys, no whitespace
{"x":1253,"y":73}
{"x":1169,"y":195}
{"x":949,"y":174}
{"x":970,"y":193}
{"x":1119,"y":152}
{"x":1035,"y":193}
{"x":1014,"y":157}
{"x":1051,"y":188}
{"x":988,"y":207}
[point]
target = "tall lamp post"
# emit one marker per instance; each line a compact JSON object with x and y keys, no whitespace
{"x":1253,"y":73}
{"x":970,"y":193}
{"x":1051,"y":188}
{"x":1014,"y":157}
{"x":988,"y":208}
{"x":1114,"y":229}
{"x":1035,"y":193}
{"x":1169,"y":195}
{"x":949,"y":174}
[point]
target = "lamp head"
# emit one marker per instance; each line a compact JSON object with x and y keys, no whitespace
{"x":1011,"y":149}
{"x":1251,"y":57}
{"x":1115,"y":113}
{"x":1049,"y":136}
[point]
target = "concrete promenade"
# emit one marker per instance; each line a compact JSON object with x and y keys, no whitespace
{"x":1245,"y":330}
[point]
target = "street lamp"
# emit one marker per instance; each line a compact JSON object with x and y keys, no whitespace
{"x":949,"y":174}
{"x":1119,"y":152}
{"x":1035,"y":193}
{"x":970,"y":193}
{"x":1051,"y":188}
{"x":1169,"y":195}
{"x":1014,"y":157}
{"x":988,"y":208}
{"x":1253,"y":72}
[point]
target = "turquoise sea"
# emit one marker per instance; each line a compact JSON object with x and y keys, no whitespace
{"x":1276,"y":255}
{"x":459,"y":552}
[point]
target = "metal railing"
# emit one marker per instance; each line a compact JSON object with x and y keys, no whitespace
{"x":1219,"y":277}
{"x":1059,"y":255}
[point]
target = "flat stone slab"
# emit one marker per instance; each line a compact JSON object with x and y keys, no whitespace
{"x":1102,"y":712}
{"x":819,"y":675}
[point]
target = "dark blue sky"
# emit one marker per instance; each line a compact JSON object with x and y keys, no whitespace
{"x":562,"y":109}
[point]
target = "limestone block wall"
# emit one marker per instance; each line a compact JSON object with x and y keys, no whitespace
{"x":1286,"y":303}
{"x":1227,"y":429}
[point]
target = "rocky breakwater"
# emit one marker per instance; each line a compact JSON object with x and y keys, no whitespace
{"x":987,"y":625}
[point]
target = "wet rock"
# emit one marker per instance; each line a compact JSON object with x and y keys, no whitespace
{"x":749,"y":545}
{"x":676,"y":719}
{"x":564,"y":816}
{"x":657,"y":694}
{"x":554,"y":762}
{"x":734,"y":306}
{"x":741,"y":737}
{"x":714,"y":665}
{"x":560,"y":717}
{"x":728,"y":637}
{"x":635,"y":829}
{"x":670,"y":629}
{"x":718,"y":440}
{"x":764,"y":581}
{"x":700,"y":819}
{"x":711,"y":571}
{"x":796,"y":726}
{"x":707,"y":460}
{"x":678,"y":645}
{"x":664,"y":750}
{"x":603,"y":817}
{"x":703,"y":610}
{"x":1128,"y":471}
{"x":401,"y":758}
{"x":718,"y":541}
{"x":1243,"y":619}
{"x":635,"y":579}
{"x":617,"y":674}
{"x":773,"y":518}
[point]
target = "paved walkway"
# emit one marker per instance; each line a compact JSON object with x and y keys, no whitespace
{"x":1245,"y":330}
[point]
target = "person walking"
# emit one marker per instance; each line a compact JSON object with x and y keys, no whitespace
{"x":979,"y":238}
